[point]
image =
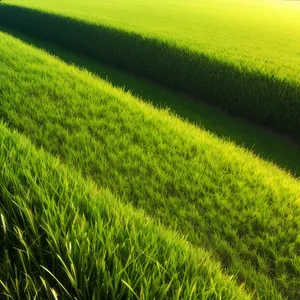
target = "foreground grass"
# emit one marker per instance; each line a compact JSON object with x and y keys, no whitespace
{"x":244,"y":210}
{"x":63,"y":238}
{"x":254,"y":75}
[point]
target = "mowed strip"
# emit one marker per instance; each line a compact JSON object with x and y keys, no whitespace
{"x":64,"y":238}
{"x":219,"y":196}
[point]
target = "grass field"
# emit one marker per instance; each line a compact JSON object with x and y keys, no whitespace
{"x":266,"y":39}
{"x":241,"y":55}
{"x":258,"y":140}
{"x":62,"y":237}
{"x":243,"y":211}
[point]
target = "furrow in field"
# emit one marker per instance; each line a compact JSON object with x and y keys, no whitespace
{"x":218,"y":195}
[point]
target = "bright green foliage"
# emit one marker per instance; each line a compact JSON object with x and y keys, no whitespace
{"x":244,"y":210}
{"x":260,"y":141}
{"x":259,"y":34}
{"x":63,"y":238}
{"x":253,"y":92}
{"x":240,"y":55}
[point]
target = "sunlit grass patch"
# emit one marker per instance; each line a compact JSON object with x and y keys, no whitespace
{"x":220,"y":197}
{"x":241,"y":56}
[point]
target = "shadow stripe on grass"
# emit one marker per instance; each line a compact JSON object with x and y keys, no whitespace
{"x":261,"y":98}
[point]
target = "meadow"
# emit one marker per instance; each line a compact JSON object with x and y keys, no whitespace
{"x":219,"y":198}
{"x":121,"y":183}
{"x":252,"y":72}
{"x":64,"y":238}
{"x":263,"y":143}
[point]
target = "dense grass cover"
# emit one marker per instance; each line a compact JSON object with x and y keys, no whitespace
{"x":258,"y":35}
{"x":63,"y":238}
{"x":252,"y":92}
{"x":244,"y":210}
{"x":262,"y":142}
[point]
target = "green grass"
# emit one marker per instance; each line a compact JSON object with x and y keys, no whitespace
{"x":256,"y":139}
{"x":243,"y":210}
{"x":240,"y":55}
{"x":256,"y":34}
{"x":64,"y":238}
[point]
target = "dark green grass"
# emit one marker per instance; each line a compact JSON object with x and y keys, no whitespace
{"x":244,"y":210}
{"x":260,"y":141}
{"x":64,"y":238}
{"x":263,"y":98}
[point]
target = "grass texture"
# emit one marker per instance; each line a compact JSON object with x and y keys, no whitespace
{"x":64,"y":238}
{"x":222,"y":198}
{"x":260,"y":141}
{"x":258,"y":89}
{"x":260,"y":35}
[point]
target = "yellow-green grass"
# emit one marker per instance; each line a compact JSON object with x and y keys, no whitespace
{"x":260,"y":141}
{"x":241,"y":55}
{"x":62,"y":237}
{"x":222,"y":198}
{"x":259,"y":34}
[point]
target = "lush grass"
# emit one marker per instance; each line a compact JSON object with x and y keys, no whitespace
{"x":243,"y":78}
{"x":221,"y":197}
{"x":64,"y":238}
{"x":260,"y":141}
{"x":259,"y":35}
